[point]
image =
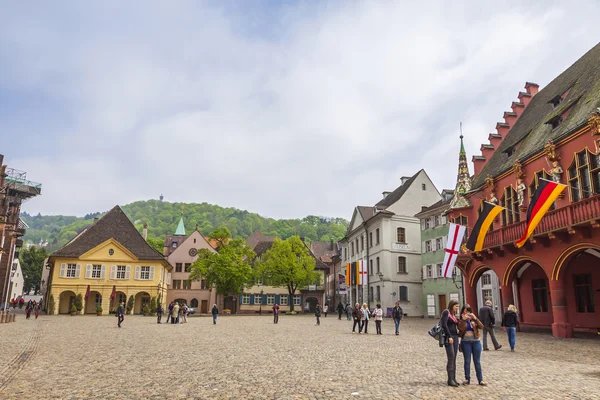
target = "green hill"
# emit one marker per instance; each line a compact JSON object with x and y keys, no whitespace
{"x":162,"y":218}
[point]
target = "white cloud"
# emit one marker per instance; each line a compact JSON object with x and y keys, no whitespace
{"x":326,"y":115}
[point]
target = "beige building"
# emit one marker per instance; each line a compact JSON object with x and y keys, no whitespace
{"x":181,"y":252}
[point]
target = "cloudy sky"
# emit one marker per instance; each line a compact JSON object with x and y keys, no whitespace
{"x":277,"y":107}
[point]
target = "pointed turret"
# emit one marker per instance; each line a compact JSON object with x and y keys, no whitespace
{"x":463,"y":180}
{"x":180,"y":228}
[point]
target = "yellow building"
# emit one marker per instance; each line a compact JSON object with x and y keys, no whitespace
{"x":107,"y":263}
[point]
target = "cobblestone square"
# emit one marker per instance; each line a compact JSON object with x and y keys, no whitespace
{"x":248,"y":357}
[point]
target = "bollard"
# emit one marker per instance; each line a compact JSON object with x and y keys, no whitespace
{"x":12,"y":317}
{"x":2,"y":317}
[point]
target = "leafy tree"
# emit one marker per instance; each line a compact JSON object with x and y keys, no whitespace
{"x":221,"y":235}
{"x":288,"y":263}
{"x":79,"y":302}
{"x":32,"y":265}
{"x":157,"y":244}
{"x":51,"y":305}
{"x":153,"y":305}
{"x":130,"y":304}
{"x":229,"y":270}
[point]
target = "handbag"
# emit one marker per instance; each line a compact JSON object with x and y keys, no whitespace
{"x":436,"y":331}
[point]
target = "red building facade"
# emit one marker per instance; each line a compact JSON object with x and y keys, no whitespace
{"x":554,"y":134}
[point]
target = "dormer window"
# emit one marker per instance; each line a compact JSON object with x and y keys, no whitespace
{"x":555,"y":101}
{"x":174,"y":244}
{"x":556,"y":121}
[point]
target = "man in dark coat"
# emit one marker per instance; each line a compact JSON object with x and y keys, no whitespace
{"x":340,"y":310}
{"x":120,"y":314}
{"x":357,"y":315}
{"x":487,"y":317}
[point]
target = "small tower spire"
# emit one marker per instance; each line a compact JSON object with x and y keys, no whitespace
{"x":180,"y":228}
{"x":463,"y":178}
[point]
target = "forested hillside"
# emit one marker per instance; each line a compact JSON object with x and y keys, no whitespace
{"x":162,"y":218}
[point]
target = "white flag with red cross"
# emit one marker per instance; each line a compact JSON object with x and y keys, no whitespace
{"x":455,"y":238}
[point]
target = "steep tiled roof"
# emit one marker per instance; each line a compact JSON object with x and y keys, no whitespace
{"x":115,"y":225}
{"x":262,"y":247}
{"x":324,"y":251}
{"x":258,"y":237}
{"x":398,"y":193}
{"x":532,"y":130}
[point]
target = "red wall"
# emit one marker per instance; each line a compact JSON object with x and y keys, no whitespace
{"x":584,"y":264}
{"x":527,"y":311}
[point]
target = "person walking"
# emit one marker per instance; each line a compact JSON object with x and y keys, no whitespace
{"x":159,"y":313}
{"x":325,"y":309}
{"x":318,"y":313}
{"x":185,"y":312}
{"x":365,"y":317}
{"x":120,"y":314}
{"x":449,"y":324}
{"x":357,"y":315}
{"x":378,"y":314}
{"x":340,"y":310}
{"x":397,"y":315}
{"x":509,"y":323}
{"x":37,"y":310}
{"x":469,"y":331}
{"x":170,"y":308}
{"x":348,"y":312}
{"x":276,"y":313}
{"x":488,"y":319}
{"x":215,"y":313}
{"x":175,"y":313}
{"x":28,"y":310}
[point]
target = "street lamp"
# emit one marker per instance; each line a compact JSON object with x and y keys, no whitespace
{"x":261,"y":299}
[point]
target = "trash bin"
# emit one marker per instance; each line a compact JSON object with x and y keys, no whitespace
{"x":388,"y":314}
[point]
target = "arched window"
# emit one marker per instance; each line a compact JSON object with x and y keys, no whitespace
{"x":510,"y":202}
{"x":194,"y":303}
{"x":584,"y":176}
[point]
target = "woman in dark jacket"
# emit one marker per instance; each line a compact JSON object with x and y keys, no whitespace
{"x":509,"y":322}
{"x":449,"y":323}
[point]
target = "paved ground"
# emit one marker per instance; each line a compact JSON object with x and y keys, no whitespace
{"x":247,"y":357}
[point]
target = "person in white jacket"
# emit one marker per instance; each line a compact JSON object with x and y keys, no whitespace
{"x":378,"y":314}
{"x":365,"y":317}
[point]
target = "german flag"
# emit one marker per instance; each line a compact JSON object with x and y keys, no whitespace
{"x":348,"y":274}
{"x":482,"y":226}
{"x":544,"y":196}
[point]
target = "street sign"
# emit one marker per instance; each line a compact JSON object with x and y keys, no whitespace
{"x":328,"y":297}
{"x":393,"y":293}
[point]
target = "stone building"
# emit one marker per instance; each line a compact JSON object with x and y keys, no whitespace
{"x":551,"y":134}
{"x":387,"y":237}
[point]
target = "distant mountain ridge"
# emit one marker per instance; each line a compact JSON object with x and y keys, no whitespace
{"x":162,"y":218}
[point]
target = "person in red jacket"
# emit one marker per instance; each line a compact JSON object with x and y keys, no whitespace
{"x":276,"y":313}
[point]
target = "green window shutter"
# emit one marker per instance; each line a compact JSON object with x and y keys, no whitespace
{"x":251,"y":299}
{"x":264,"y":299}
{"x":277,"y":299}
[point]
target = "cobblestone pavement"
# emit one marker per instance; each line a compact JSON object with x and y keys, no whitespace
{"x":248,"y":357}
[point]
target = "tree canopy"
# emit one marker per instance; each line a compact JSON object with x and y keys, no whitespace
{"x":288,"y":263}
{"x":32,"y":265}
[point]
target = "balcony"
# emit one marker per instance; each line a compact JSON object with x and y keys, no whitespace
{"x":565,"y":219}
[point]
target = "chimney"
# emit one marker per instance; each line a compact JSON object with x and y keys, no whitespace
{"x":517,"y":108}
{"x":510,"y":117}
{"x":386,"y":194}
{"x":145,"y":232}
{"x":404,"y":179}
{"x":478,"y":164}
{"x":531,"y":88}
{"x":95,"y":220}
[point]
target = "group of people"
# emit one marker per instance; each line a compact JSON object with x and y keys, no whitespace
{"x":462,"y":332}
{"x":361,"y":316}
{"x":32,"y":306}
{"x":177,"y":314}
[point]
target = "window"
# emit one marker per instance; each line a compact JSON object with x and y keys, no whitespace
{"x":427,"y":246}
{"x":352,"y":248}
{"x":71,"y":270}
{"x":297,"y":300}
{"x":430,"y":271}
{"x":378,"y":298}
{"x":203,"y":284}
{"x":401,"y":265}
{"x":403,"y":293}
{"x":187,"y":284}
{"x":486,"y":279}
{"x":362,"y":242}
{"x":436,"y":220}
{"x":121,"y":269}
{"x":584,"y":176}
{"x":377,"y":264}
{"x":486,"y":294}
{"x":439,"y":271}
{"x":176,"y":283}
{"x":510,"y":202}
{"x":370,"y":239}
{"x":439,"y":244}
{"x":370,"y":267}
{"x":270,"y":299}
{"x":178,"y":267}
{"x":187,"y":267}
{"x":540,"y":296}
{"x":584,"y":293}
{"x":245,"y":299}
{"x":377,"y":236}
{"x":145,"y":273}
{"x":555,"y":101}
{"x":556,"y":121}
{"x":96,"y":271}
{"x":423,"y":186}
{"x":283,"y":300}
{"x":257,"y":299}
{"x":370,"y":293}
{"x":427,"y":223}
{"x":174,"y":244}
{"x":401,"y":234}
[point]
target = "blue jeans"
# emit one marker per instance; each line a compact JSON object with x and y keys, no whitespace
{"x":397,"y":323}
{"x":214,"y":318}
{"x":472,"y":348}
{"x":512,"y":336}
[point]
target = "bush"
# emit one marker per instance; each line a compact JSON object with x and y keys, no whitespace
{"x":291,"y":313}
{"x":146,"y":309}
{"x":51,"y":305}
{"x":74,"y":308}
{"x":98,"y":309}
{"x":130,"y":303}
{"x":79,"y":302}
{"x":153,"y":305}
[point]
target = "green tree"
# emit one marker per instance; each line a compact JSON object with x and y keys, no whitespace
{"x":79,"y":302}
{"x":130,"y":304}
{"x":157,"y":244}
{"x":32,"y":265}
{"x":229,"y":270}
{"x":222,"y":235}
{"x":288,"y":263}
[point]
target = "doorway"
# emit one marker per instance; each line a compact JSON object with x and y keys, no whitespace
{"x":204,"y":307}
{"x":443,"y":304}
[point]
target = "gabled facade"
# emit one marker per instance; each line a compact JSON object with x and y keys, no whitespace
{"x":387,"y":238}
{"x":109,"y":256}
{"x":16,"y":281}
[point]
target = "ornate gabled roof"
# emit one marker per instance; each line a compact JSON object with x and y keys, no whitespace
{"x":463,"y":180}
{"x":114,"y":225}
{"x":180,"y":228}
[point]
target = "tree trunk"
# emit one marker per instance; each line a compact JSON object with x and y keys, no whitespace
{"x":291,"y":291}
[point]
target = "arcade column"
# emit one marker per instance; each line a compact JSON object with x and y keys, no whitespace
{"x":471,"y":295}
{"x":561,"y":327}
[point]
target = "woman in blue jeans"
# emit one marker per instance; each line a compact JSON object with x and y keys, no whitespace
{"x":469,"y":330}
{"x":509,"y":322}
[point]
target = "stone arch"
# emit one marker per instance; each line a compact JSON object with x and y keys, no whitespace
{"x":567,"y":255}
{"x":65,"y":300}
{"x":141,"y":299}
{"x":312,"y":304}
{"x":512,"y":268}
{"x":194,"y":303}
{"x":477,"y":272}
{"x":93,"y":301}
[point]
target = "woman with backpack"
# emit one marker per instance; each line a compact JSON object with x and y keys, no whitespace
{"x":449,"y":324}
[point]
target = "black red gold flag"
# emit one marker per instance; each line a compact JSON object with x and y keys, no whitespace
{"x":544,"y":196}
{"x":482,"y":226}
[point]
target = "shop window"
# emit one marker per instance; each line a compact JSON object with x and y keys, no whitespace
{"x":584,"y":176}
{"x":540,"y":295}
{"x":584,"y":293}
